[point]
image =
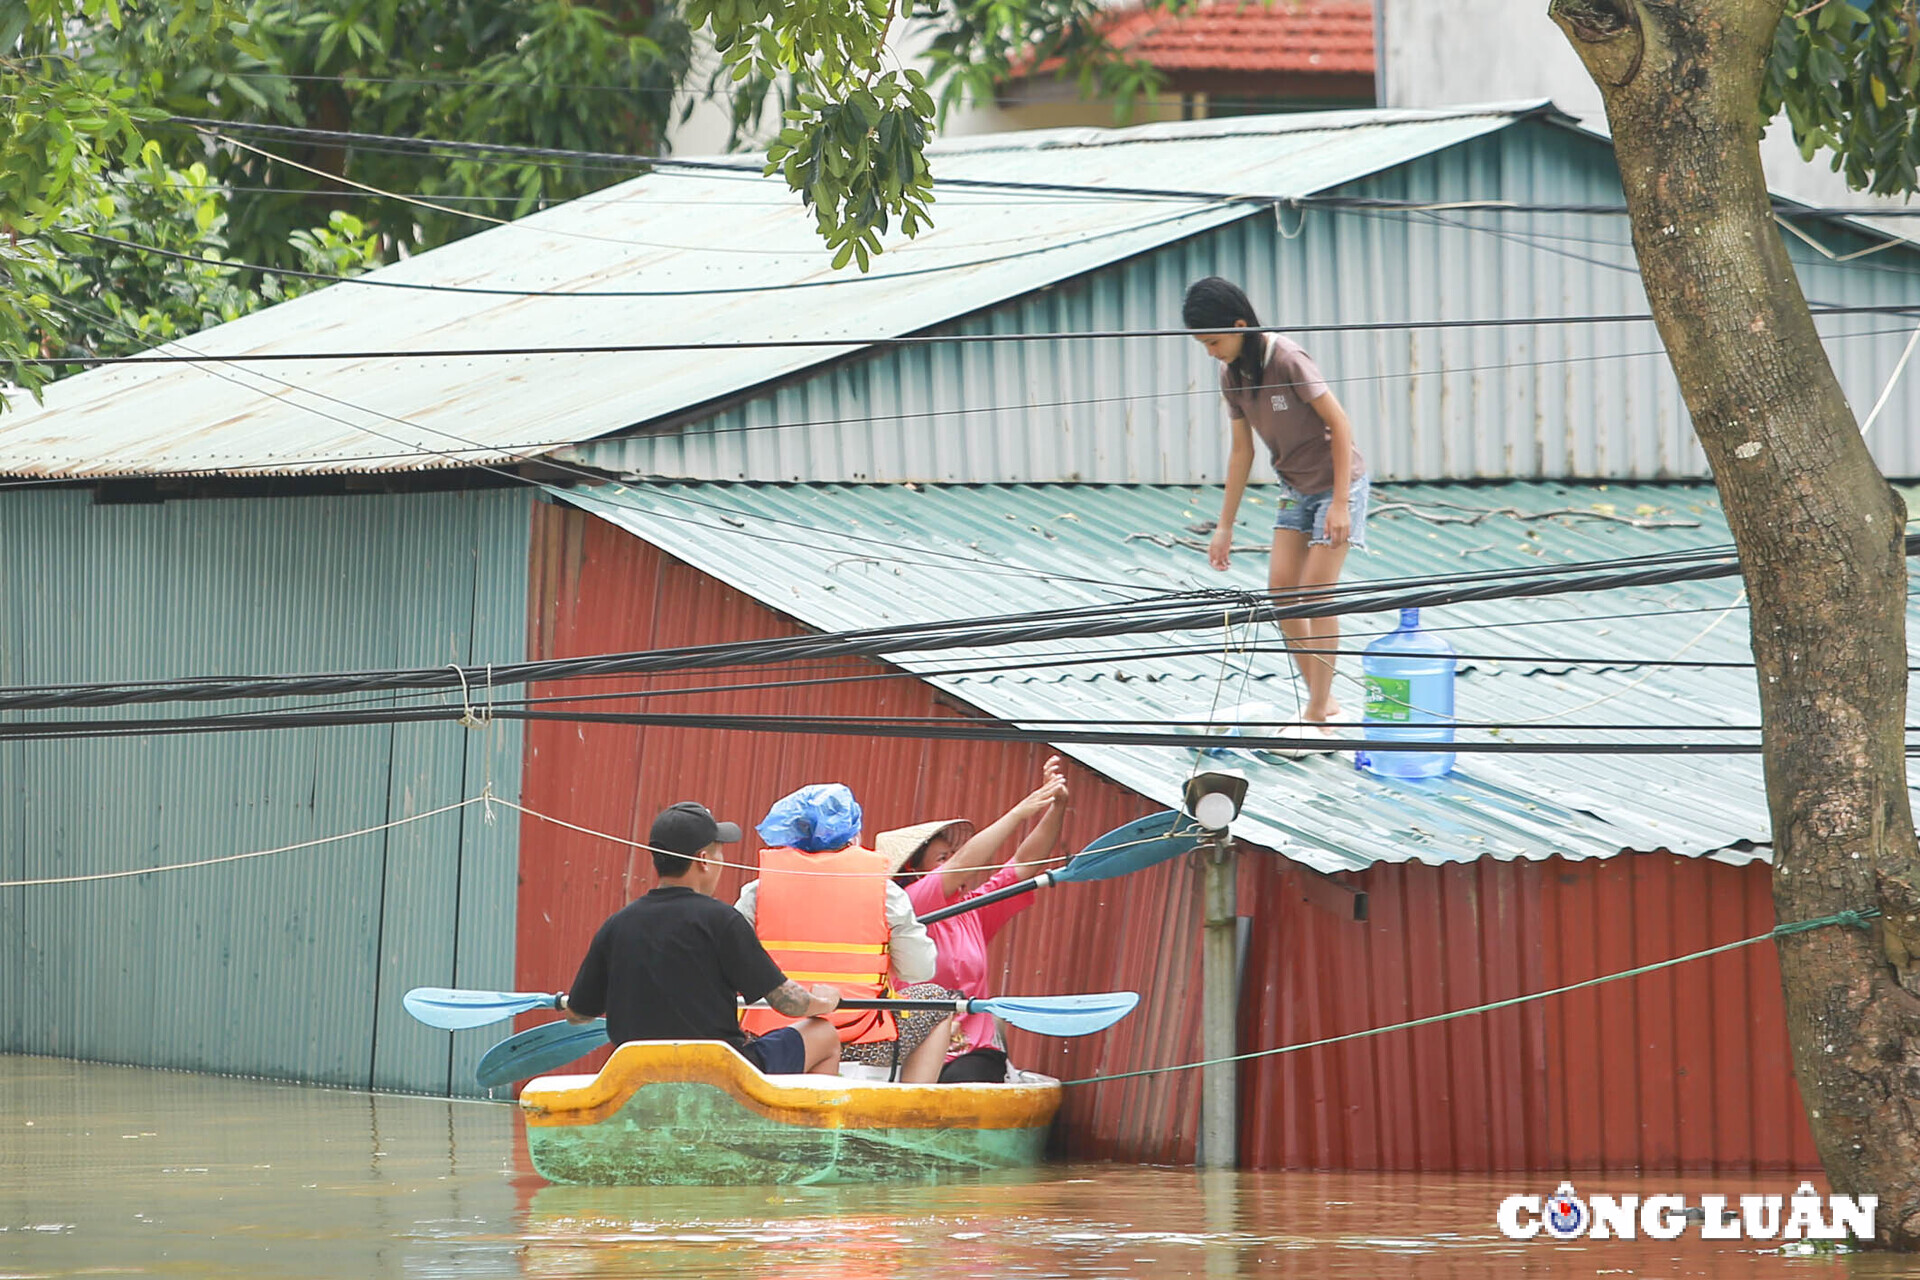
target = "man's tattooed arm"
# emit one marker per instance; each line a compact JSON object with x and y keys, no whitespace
{"x":796,"y":1001}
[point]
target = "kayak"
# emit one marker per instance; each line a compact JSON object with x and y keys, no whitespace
{"x":696,"y":1113}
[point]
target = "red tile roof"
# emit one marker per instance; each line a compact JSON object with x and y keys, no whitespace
{"x":1298,"y":36}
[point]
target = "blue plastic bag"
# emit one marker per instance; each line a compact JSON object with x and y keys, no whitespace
{"x":821,"y":816}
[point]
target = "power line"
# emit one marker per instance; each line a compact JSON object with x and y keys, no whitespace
{"x":123,"y":178}
{"x":919,"y":339}
{"x":1170,"y":614}
{"x":960,"y":728}
{"x":522,"y":450}
{"x":744,"y":168}
{"x":1721,"y":553}
{"x":754,"y":167}
{"x":1784,"y":207}
{"x":1044,"y":660}
{"x":1279,"y":599}
{"x":1030,"y":662}
{"x":811,"y":252}
{"x":717,"y":93}
{"x":711,"y":428}
{"x":1052,"y":245}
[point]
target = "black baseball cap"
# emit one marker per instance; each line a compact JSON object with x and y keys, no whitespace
{"x":687,"y":828}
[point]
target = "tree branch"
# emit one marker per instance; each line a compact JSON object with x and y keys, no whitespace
{"x":1606,"y":33}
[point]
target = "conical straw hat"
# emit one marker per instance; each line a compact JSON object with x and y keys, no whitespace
{"x":900,"y":844}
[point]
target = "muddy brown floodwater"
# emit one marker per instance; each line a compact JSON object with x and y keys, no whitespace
{"x":126,"y":1172}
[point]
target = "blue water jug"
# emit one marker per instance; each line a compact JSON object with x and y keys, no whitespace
{"x":1409,"y":680}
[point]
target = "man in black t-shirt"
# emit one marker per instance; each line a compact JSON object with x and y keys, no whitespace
{"x":670,"y":965}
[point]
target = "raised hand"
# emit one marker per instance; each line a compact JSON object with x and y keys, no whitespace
{"x":1042,"y":797}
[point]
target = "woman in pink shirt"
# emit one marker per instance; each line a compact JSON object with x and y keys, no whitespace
{"x":936,"y":875}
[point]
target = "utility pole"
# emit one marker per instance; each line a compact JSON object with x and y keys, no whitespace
{"x":1220,"y":1005}
{"x":1214,"y":799}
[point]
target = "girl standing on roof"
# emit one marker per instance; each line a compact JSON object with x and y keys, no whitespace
{"x":1274,"y":389}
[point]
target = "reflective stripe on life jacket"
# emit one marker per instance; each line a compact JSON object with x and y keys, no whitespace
{"x":826,"y":928}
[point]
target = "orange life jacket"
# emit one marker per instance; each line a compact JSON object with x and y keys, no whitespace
{"x":826,"y":928}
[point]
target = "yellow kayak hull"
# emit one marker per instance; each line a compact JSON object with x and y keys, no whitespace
{"x":694,"y":1112}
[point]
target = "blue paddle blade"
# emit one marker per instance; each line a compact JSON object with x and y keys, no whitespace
{"x":452,"y":1009}
{"x":538,"y":1051}
{"x":1142,"y":843}
{"x":1060,"y":1015}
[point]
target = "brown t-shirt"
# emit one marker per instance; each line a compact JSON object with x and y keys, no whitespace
{"x":1281,"y":413}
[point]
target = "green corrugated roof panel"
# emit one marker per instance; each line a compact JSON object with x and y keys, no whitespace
{"x":844,"y":556}
{"x":715,"y":257}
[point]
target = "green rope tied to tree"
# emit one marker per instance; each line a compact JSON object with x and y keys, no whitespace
{"x":1854,"y":919}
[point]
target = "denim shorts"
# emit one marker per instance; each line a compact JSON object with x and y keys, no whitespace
{"x":780,"y":1052}
{"x":1307,"y":513}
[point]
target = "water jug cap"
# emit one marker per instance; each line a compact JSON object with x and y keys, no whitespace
{"x":1409,"y":619}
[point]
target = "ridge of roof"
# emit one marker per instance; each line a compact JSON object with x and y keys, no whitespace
{"x":1275,"y":125}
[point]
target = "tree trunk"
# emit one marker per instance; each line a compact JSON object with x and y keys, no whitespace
{"x":1820,"y":538}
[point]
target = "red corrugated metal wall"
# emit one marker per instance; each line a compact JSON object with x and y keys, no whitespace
{"x":1682,"y":1068}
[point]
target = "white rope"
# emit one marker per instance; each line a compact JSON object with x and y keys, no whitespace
{"x":487,"y":798}
{"x":468,"y":716}
{"x":749,"y":866}
{"x":240,"y":857}
{"x":1887,"y":390}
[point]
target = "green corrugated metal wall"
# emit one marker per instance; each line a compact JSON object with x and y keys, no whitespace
{"x":292,"y":965}
{"x":1481,"y":403}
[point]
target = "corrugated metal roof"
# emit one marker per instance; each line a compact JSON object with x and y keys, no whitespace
{"x":731,"y":256}
{"x":845,"y":556}
{"x":1446,"y":403}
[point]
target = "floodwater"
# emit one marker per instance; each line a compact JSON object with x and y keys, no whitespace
{"x":126,"y":1172}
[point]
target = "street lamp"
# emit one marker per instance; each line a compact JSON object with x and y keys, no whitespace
{"x":1214,"y":798}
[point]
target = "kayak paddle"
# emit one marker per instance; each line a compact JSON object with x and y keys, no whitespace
{"x":539,"y":1050}
{"x":554,"y":1044}
{"x":451,"y":1009}
{"x":1142,"y":843}
{"x":1043,"y":1015}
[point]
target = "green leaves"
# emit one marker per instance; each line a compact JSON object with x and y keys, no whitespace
{"x":858,"y":163}
{"x":147,"y":262}
{"x":544,"y":73}
{"x":1848,"y":77}
{"x":854,"y":135}
{"x":60,"y":126}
